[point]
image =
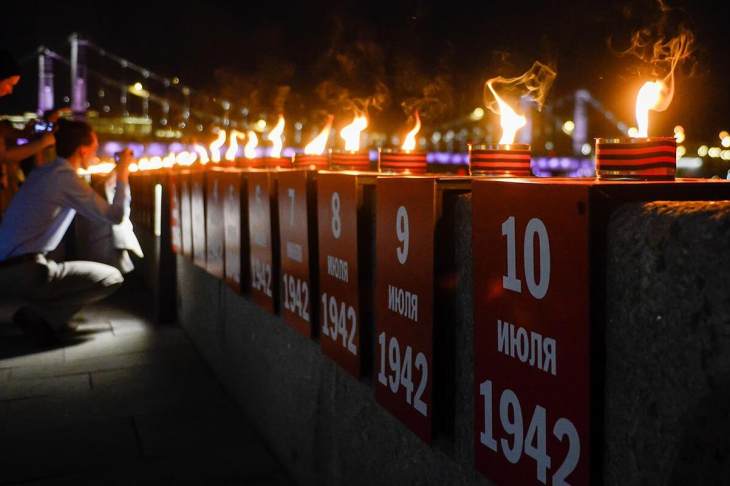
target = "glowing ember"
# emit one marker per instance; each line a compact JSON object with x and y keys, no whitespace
{"x":249,"y":150}
{"x":410,"y":142}
{"x":351,"y":133}
{"x":215,"y":146}
{"x":275,"y":137}
{"x":319,"y":143}
{"x":233,"y":144}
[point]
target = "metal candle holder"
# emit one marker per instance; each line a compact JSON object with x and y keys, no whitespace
{"x":651,"y":158}
{"x":398,"y":162}
{"x":512,"y":160}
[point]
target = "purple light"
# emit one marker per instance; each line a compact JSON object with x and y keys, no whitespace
{"x":156,"y":150}
{"x":111,"y":148}
{"x":288,"y":152}
{"x":176,"y":147}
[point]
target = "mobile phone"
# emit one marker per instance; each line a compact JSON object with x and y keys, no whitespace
{"x":43,"y":126}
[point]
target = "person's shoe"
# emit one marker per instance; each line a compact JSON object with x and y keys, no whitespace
{"x":34,"y":327}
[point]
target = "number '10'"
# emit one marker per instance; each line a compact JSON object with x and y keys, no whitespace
{"x":534,"y":227}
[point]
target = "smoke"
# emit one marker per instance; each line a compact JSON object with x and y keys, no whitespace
{"x":533,"y":84}
{"x":435,"y":100}
{"x":663,"y":57}
{"x":340,"y":99}
{"x":353,"y":73}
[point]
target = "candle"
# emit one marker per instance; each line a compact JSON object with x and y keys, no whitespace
{"x":503,"y":160}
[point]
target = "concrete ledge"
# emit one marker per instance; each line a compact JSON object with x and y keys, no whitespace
{"x":667,"y":345}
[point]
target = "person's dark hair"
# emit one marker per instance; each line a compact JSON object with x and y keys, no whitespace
{"x":71,"y":135}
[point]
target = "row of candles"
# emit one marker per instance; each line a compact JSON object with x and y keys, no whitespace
{"x":639,"y":158}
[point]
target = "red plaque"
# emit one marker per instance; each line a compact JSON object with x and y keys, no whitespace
{"x":197,"y":211}
{"x":539,"y":250}
{"x":235,"y":221}
{"x":404,"y":289}
{"x":345,"y":209}
{"x":298,"y":248}
{"x":186,"y":222}
{"x":532,"y":332}
{"x":214,"y":225}
{"x":175,"y":214}
{"x":263,"y":238}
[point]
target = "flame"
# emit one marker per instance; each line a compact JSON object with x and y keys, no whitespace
{"x":274,"y":137}
{"x":509,"y":120}
{"x":648,"y":99}
{"x":202,"y":153}
{"x":657,"y":95}
{"x":249,"y":150}
{"x":410,"y":142}
{"x":233,"y":144}
{"x":534,"y":84}
{"x":98,"y":168}
{"x":319,"y":143}
{"x":351,"y":133}
{"x":168,"y":161}
{"x":186,"y":158}
{"x":215,"y":146}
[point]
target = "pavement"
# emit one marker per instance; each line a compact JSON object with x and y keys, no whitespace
{"x":123,"y":401}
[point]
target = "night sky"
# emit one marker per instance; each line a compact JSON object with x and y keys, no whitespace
{"x":450,"y":48}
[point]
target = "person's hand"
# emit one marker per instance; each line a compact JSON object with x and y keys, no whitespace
{"x":123,"y":159}
{"x":48,"y":140}
{"x":55,"y":115}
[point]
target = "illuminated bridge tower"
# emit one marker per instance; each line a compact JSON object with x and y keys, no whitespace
{"x":78,"y":74}
{"x":580,"y":118}
{"x":45,"y":81}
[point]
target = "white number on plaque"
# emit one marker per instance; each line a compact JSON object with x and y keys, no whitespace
{"x":336,"y":221}
{"x":534,"y":443}
{"x":403,"y":234}
{"x":535,"y":227}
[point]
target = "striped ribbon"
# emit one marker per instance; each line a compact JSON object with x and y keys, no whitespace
{"x":414,"y":163}
{"x":496,"y":162}
{"x":351,"y":161}
{"x":319,"y":162}
{"x":638,"y":159}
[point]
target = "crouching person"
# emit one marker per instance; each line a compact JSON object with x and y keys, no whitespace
{"x":36,"y":221}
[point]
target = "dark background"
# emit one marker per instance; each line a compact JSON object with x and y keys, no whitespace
{"x":243,"y":51}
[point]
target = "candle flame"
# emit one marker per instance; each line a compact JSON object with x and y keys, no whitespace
{"x":319,"y":143}
{"x":169,"y":161}
{"x":233,"y":138}
{"x":657,"y":95}
{"x":351,"y":133}
{"x":509,"y":120}
{"x":533,"y":84}
{"x":215,"y":146}
{"x":648,"y":99}
{"x":185,"y":158}
{"x":275,"y":137}
{"x":410,"y":142}
{"x":202,"y":153}
{"x":249,"y":150}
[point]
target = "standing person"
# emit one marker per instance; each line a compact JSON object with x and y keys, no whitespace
{"x":36,"y":221}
